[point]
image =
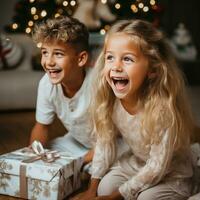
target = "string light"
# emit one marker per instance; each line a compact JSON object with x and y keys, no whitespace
{"x":43,"y":13}
{"x":117,"y":6}
{"x":33,"y":10}
{"x":104,"y":1}
{"x":28,"y":30}
{"x":39,"y":45}
{"x":57,"y":15}
{"x":14,"y":26}
{"x":30,"y":23}
{"x":35,"y":17}
{"x":146,"y":9}
{"x":65,"y":3}
{"x":72,"y":3}
{"x":140,"y":5}
{"x":143,"y":6}
{"x":134,"y":8}
{"x":102,"y":32}
{"x":152,"y":2}
{"x":137,"y":6}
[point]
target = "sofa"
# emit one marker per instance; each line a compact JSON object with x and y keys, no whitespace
{"x":18,"y":86}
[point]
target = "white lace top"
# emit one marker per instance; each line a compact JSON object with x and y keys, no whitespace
{"x":145,"y":163}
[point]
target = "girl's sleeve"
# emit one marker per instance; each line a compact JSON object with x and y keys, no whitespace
{"x":153,"y":171}
{"x":104,"y":156}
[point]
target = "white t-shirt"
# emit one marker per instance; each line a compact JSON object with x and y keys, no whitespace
{"x":73,"y":112}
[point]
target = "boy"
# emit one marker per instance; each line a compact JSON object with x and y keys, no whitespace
{"x":64,"y":89}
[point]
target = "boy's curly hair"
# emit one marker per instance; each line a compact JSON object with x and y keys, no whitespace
{"x":65,"y":29}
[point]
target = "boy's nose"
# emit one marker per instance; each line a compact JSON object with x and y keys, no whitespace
{"x":50,"y":61}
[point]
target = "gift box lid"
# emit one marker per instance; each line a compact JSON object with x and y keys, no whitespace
{"x":10,"y":164}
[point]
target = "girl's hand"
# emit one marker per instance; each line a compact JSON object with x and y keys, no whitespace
{"x":87,"y":195}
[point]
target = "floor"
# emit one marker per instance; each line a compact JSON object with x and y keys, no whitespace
{"x":15,"y":130}
{"x":15,"y":127}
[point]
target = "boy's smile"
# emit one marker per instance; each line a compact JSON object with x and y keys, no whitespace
{"x":60,"y":61}
{"x":53,"y":73}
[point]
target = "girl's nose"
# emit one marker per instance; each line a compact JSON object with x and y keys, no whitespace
{"x":117,"y":66}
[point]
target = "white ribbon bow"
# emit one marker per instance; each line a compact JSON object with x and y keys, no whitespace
{"x":47,"y":156}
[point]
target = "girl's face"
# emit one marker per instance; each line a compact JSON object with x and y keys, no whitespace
{"x":125,"y":66}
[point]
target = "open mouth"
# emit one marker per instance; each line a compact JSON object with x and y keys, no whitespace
{"x":120,"y":82}
{"x":55,"y":71}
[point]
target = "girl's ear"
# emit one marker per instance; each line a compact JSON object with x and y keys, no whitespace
{"x":82,"y":58}
{"x":151,"y":75}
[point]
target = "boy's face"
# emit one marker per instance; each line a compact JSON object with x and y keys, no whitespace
{"x":60,"y":61}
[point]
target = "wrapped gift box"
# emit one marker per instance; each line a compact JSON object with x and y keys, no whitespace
{"x":38,"y":179}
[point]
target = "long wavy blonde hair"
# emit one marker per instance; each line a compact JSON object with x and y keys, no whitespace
{"x":163,"y":97}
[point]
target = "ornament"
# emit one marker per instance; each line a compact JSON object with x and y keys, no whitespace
{"x":11,"y":53}
{"x":182,"y":44}
{"x":91,"y":12}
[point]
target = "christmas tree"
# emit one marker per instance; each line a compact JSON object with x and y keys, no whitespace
{"x":98,"y":15}
{"x":29,"y":12}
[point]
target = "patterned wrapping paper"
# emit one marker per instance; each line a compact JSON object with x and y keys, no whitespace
{"x":42,"y":180}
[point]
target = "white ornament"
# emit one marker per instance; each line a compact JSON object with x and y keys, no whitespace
{"x":103,"y":12}
{"x":91,"y":12}
{"x":182,"y":44}
{"x":11,"y":52}
{"x":85,"y":13}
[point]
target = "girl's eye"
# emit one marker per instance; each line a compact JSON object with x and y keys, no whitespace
{"x":128,"y":59}
{"x":109,"y":57}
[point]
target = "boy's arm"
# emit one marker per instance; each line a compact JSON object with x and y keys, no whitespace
{"x":40,"y":133}
{"x":88,"y":157}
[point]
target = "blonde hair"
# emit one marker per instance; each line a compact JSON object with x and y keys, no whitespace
{"x":163,"y":97}
{"x":65,"y":29}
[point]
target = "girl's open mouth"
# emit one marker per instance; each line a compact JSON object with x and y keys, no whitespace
{"x":120,"y":82}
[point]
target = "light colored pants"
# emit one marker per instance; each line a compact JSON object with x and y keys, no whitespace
{"x":68,"y":144}
{"x":116,"y":177}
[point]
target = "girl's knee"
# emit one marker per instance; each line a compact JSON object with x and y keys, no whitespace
{"x":105,"y":188}
{"x":146,"y":195}
{"x":156,"y":194}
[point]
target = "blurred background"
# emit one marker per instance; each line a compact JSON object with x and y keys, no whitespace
{"x":180,"y":20}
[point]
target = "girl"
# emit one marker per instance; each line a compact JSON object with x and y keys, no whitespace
{"x":140,"y":93}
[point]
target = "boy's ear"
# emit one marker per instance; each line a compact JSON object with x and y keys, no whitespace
{"x":82,"y":58}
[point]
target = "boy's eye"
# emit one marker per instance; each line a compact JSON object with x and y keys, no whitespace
{"x":44,"y":53}
{"x":59,"y":54}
